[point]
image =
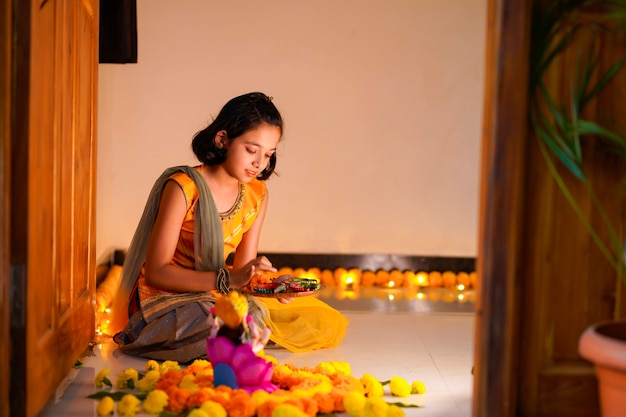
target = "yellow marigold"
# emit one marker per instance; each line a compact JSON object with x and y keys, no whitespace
{"x":169,"y":365}
{"x":128,"y":406}
{"x":399,"y":387}
{"x":105,"y":406}
{"x":213,"y":409}
{"x":201,"y":364}
{"x":155,"y":402}
{"x":101,"y":379}
{"x":260,"y":396}
{"x":152,"y":365}
{"x":373,"y":387}
{"x":288,"y":410}
{"x":395,"y":411}
{"x":197,"y":412}
{"x":354,"y":402}
{"x":268,"y":358}
{"x":188,"y":383}
{"x":375,"y":407}
{"x":127,"y":378}
{"x":334,"y":367}
{"x":149,"y":381}
{"x":418,"y":387}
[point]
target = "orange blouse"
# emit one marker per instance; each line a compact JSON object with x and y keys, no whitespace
{"x":235,"y":223}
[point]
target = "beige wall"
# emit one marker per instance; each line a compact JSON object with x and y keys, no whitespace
{"x":382,"y":102}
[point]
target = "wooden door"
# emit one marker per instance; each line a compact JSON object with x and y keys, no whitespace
{"x":5,"y":117}
{"x":542,"y":278}
{"x":53,"y":196}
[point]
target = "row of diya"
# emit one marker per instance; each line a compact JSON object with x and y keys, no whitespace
{"x":354,"y":278}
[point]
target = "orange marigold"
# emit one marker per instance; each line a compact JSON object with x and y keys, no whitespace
{"x":177,"y":402}
{"x":308,"y":405}
{"x":221,"y":397}
{"x":325,"y":402}
{"x":197,"y":398}
{"x":240,"y":405}
{"x":337,"y":396}
{"x":169,"y":378}
{"x":205,"y":381}
{"x":267,"y":408}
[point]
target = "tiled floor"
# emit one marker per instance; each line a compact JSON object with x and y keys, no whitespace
{"x":429,"y":341}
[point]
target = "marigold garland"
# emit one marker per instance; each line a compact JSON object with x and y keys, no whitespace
{"x":304,"y":391}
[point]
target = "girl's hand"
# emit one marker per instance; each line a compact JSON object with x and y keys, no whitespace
{"x":241,"y":277}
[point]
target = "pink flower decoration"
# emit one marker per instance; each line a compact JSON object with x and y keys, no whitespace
{"x":251,"y":372}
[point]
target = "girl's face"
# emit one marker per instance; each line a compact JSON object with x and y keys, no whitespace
{"x":250,"y":153}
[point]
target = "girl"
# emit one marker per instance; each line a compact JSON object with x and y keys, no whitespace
{"x":195,"y":217}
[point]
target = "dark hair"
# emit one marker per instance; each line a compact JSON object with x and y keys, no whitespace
{"x":238,"y":116}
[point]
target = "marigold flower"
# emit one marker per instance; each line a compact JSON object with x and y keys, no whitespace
{"x":149,"y":381}
{"x":375,"y":407}
{"x":188,"y":383}
{"x":101,"y":378}
{"x":177,"y":399}
{"x":105,"y":406}
{"x":260,"y":396}
{"x":373,"y":387}
{"x":354,"y":402}
{"x":325,"y":402}
{"x":267,"y":408}
{"x":337,"y":396}
{"x":418,"y":387}
{"x":240,"y":405}
{"x":205,"y":381}
{"x":288,"y":410}
{"x":155,"y":402}
{"x":399,"y":387}
{"x":169,"y":365}
{"x":197,"y":412}
{"x":213,"y":409}
{"x":169,"y":378}
{"x":127,"y":378}
{"x":152,"y":365}
{"x":128,"y":406}
{"x":395,"y":411}
{"x":334,"y":367}
{"x":200,"y":396}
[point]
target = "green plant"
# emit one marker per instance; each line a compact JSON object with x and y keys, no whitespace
{"x":562,"y":27}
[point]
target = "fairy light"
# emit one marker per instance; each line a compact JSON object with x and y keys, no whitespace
{"x":460,"y":287}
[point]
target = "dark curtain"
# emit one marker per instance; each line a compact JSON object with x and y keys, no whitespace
{"x":118,"y":31}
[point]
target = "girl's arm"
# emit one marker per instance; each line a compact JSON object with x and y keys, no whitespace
{"x":160,"y":272}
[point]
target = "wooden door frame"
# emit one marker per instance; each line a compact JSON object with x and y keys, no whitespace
{"x":505,"y":133}
{"x":5,"y":130}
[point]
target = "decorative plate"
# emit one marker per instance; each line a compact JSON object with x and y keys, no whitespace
{"x":294,"y":287}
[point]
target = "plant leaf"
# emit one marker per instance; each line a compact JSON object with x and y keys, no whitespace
{"x":587,"y":127}
{"x":117,"y":395}
{"x":608,"y":76}
{"x":404,"y":405}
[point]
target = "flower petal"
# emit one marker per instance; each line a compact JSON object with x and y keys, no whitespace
{"x":219,"y":349}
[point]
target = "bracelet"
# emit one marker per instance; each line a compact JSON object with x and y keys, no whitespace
{"x":222,"y":281}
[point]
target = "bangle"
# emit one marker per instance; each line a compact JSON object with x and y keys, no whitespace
{"x":222,"y":281}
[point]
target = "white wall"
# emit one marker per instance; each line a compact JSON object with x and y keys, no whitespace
{"x":382,"y":102}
